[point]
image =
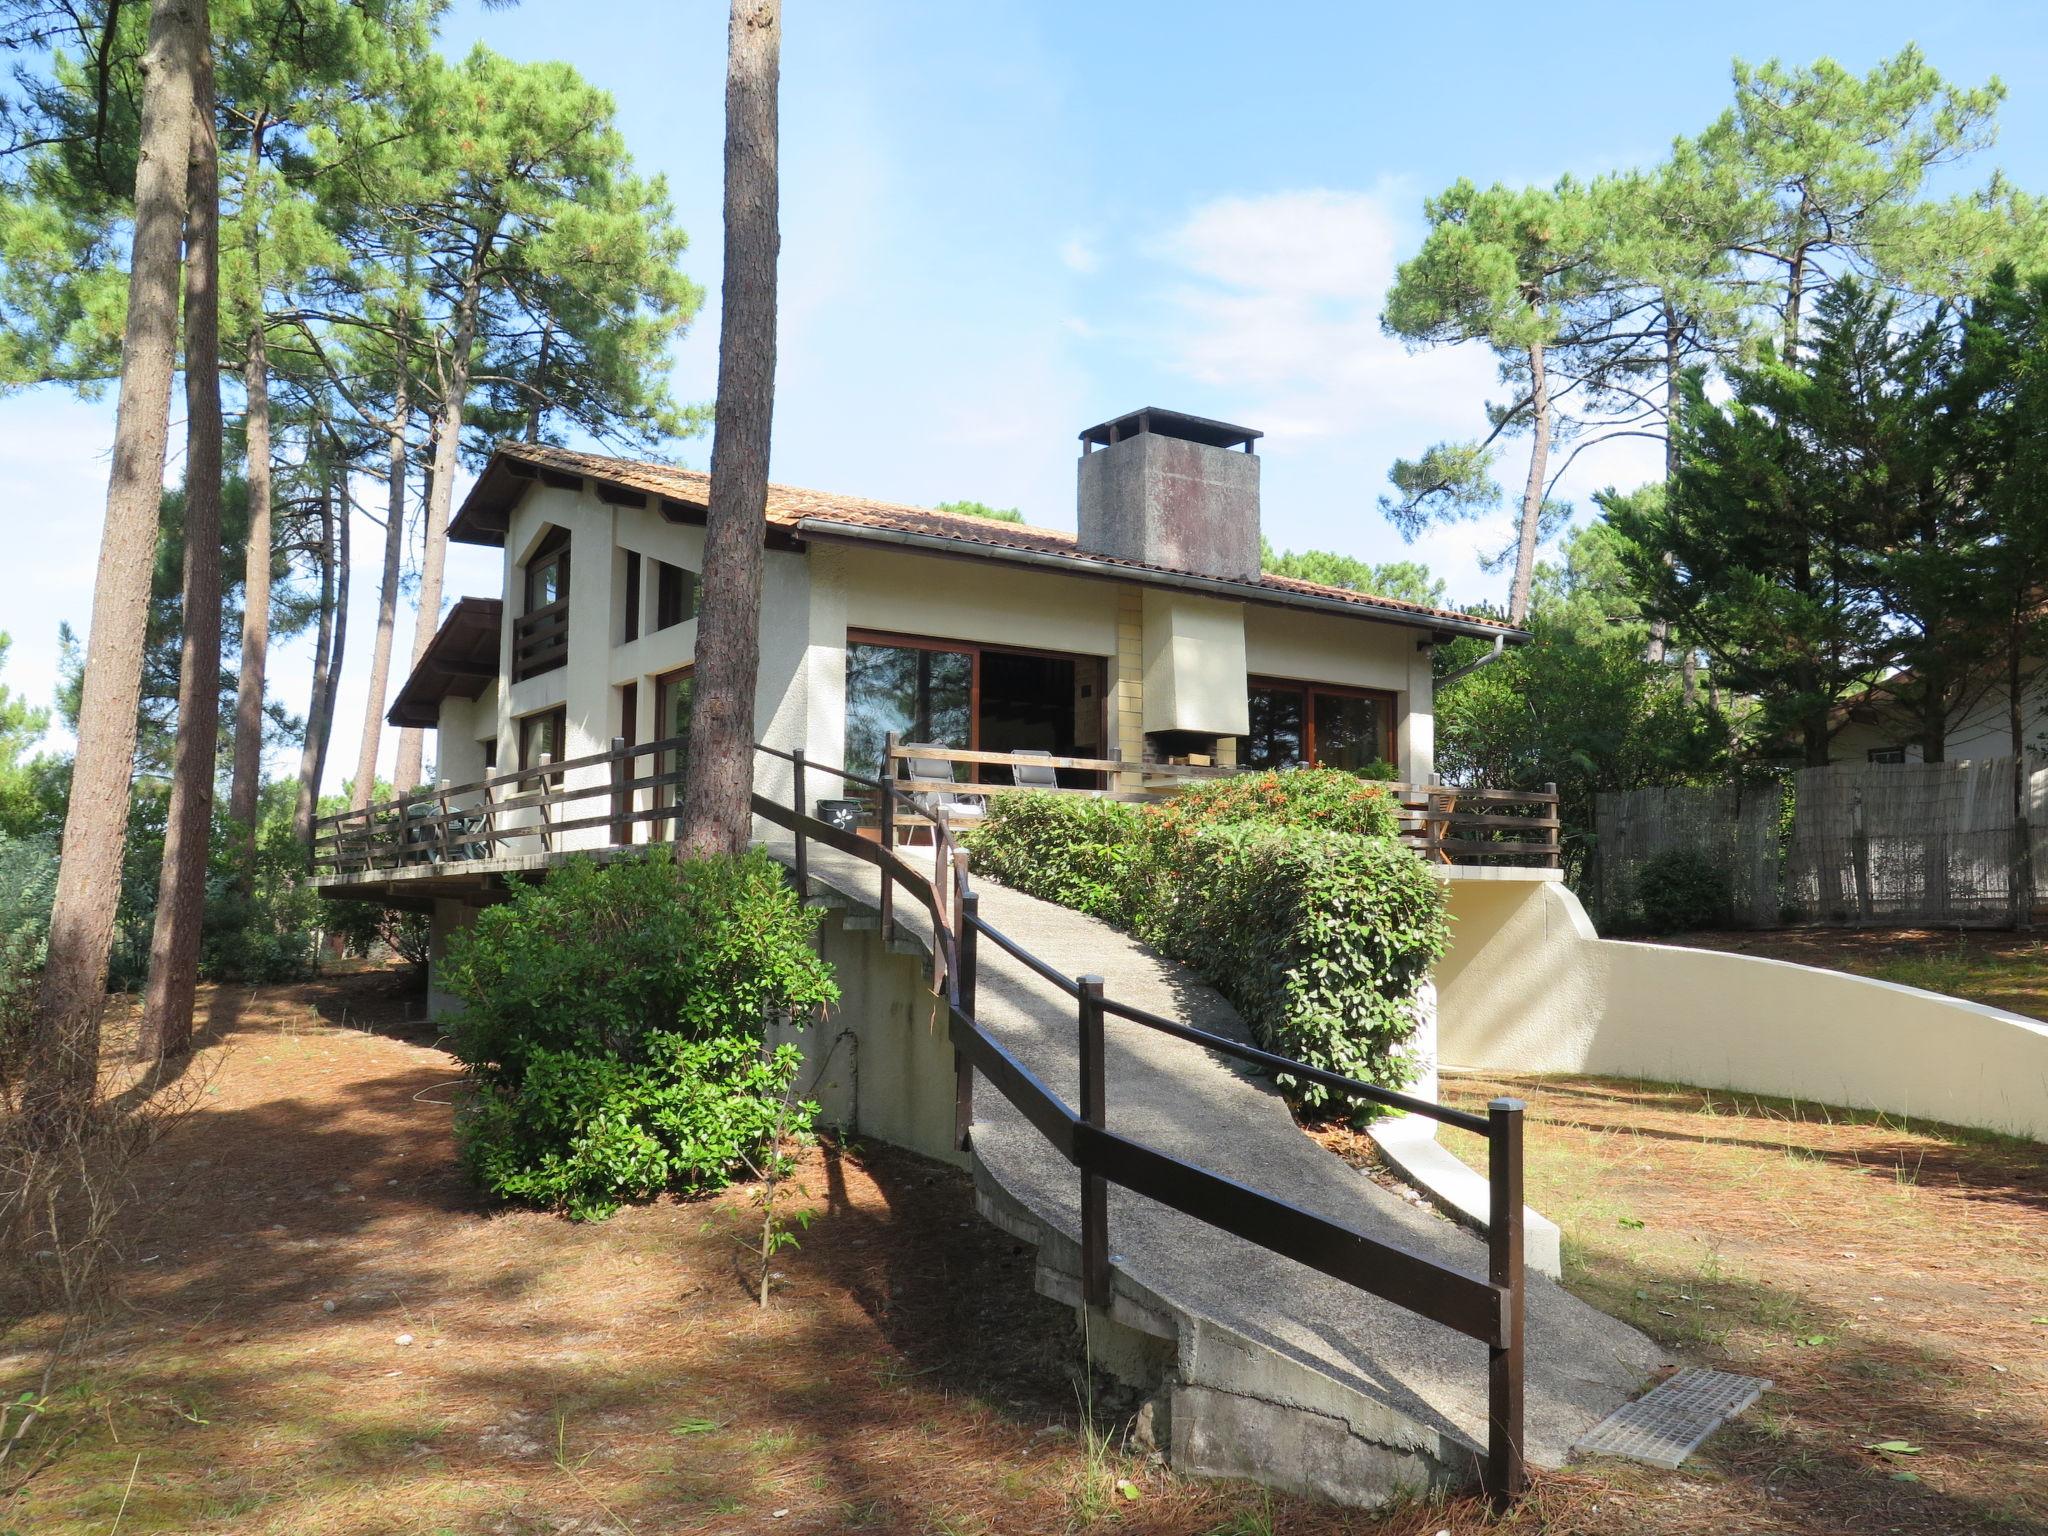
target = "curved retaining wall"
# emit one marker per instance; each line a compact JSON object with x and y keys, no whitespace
{"x":1529,"y":986}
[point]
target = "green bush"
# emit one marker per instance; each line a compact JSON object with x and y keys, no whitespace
{"x":28,"y":886}
{"x":1327,"y":798}
{"x":614,"y":1027}
{"x":1289,"y":892}
{"x":1063,"y":848}
{"x":1319,"y":939}
{"x":1680,"y":891}
{"x":366,"y":930}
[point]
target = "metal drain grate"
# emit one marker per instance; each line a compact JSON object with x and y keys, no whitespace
{"x":1668,"y":1423}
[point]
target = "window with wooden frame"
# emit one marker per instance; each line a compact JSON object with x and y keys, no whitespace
{"x":972,"y":697}
{"x":675,"y":595}
{"x":547,"y":571}
{"x":1321,"y":724}
{"x":540,"y":635}
{"x":543,"y":738}
{"x":630,"y":630}
{"x":674,"y":693}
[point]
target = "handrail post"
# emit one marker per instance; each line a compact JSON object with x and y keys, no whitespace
{"x":796,"y":794}
{"x":1505,"y":1475}
{"x":1556,"y":860}
{"x":967,"y":937}
{"x":622,"y":829}
{"x":888,"y":834}
{"x":1094,"y":1188}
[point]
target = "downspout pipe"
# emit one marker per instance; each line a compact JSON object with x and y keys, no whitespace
{"x":1500,"y":649}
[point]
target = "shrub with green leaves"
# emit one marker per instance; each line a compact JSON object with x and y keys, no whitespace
{"x":1328,"y":798}
{"x":1065,"y":849}
{"x":1319,"y":939}
{"x":1681,"y":891}
{"x":615,"y":1022}
{"x":1290,"y":893}
{"x":28,"y":887}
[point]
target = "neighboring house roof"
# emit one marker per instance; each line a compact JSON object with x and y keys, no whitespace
{"x":683,"y":495}
{"x":460,"y":662}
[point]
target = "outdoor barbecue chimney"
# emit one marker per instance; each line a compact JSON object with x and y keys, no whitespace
{"x":1167,"y":489}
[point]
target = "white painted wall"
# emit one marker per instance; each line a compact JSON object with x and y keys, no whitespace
{"x":1195,"y":667}
{"x":1329,"y":648}
{"x":1528,"y":986}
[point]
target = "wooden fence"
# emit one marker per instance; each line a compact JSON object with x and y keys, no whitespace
{"x":1865,"y":843}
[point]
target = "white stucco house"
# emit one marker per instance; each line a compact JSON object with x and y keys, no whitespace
{"x":1150,"y":635}
{"x":1875,"y":728}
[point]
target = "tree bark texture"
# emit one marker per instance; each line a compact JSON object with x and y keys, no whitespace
{"x":1532,"y":490}
{"x":1660,"y":628}
{"x":247,"y":784}
{"x":406,"y":775}
{"x":717,"y":801}
{"x":181,"y":882}
{"x":328,"y":651}
{"x":387,"y":599}
{"x":64,"y":1064}
{"x":2022,"y":877}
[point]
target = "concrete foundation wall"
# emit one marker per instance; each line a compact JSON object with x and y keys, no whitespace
{"x":881,"y":1065}
{"x":1528,"y":986}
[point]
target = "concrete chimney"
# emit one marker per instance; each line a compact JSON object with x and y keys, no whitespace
{"x":1172,"y":490}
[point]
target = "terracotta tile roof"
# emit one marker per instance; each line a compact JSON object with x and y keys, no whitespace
{"x":790,"y":507}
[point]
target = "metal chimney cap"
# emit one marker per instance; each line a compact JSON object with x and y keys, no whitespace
{"x":1193,"y":429}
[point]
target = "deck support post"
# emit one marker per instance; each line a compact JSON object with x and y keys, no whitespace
{"x":1094,"y":1188}
{"x":622,"y":829}
{"x":966,"y":939}
{"x":796,"y":794}
{"x":1505,"y":1474}
{"x":887,"y":815}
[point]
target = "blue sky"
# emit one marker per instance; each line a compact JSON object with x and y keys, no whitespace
{"x":1003,"y":222}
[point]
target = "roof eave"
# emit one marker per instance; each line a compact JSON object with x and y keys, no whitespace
{"x":1082,"y":565}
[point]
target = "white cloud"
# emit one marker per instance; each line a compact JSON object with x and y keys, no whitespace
{"x":1079,"y":255}
{"x":1271,"y":303}
{"x":1279,"y":296}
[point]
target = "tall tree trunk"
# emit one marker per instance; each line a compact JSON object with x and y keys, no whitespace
{"x":1660,"y":628}
{"x":247,"y":784}
{"x":365,"y":784}
{"x":717,"y":803}
{"x":2022,"y":878}
{"x":181,"y":882}
{"x":326,"y":652}
{"x":441,"y":489}
{"x":64,"y":1065}
{"x":1532,"y":490}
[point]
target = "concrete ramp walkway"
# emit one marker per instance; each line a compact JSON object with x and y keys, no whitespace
{"x":1262,"y":1368}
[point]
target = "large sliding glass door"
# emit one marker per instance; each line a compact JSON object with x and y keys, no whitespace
{"x":919,"y":690}
{"x":971,"y":697}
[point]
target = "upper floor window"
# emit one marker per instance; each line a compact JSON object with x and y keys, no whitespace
{"x":547,"y":571}
{"x":675,"y":594}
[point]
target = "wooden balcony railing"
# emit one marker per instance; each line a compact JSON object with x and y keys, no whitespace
{"x":1446,"y":824}
{"x":540,"y":640}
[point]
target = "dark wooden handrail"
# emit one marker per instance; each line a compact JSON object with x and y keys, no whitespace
{"x":1489,"y":1309}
